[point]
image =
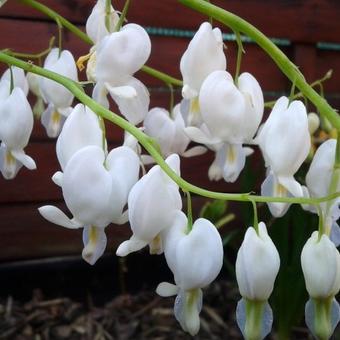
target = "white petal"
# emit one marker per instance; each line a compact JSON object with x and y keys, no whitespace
{"x":203,"y":56}
{"x":166,"y":289}
{"x":195,"y":151}
{"x":55,"y":215}
{"x":19,"y":79}
{"x":94,"y":240}
{"x":26,"y":160}
{"x":133,"y":108}
{"x":9,"y":166}
{"x":199,"y":136}
{"x":87,"y":187}
{"x":16,"y":118}
{"x":53,"y":121}
{"x":126,"y":92}
{"x":80,"y":129}
{"x":57,"y":178}
{"x":99,"y":94}
{"x":64,"y":65}
{"x":130,"y":246}
{"x":271,"y":187}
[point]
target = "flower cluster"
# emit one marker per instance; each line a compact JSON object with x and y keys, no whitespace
{"x":101,"y":186}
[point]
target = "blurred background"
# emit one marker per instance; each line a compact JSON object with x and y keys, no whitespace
{"x":37,"y":254}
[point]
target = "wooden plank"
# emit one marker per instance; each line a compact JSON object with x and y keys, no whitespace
{"x":24,"y":234}
{"x":304,"y":21}
{"x":166,"y":52}
{"x":305,"y":60}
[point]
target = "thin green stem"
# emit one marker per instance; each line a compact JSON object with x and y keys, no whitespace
{"x":80,"y":34}
{"x":108,"y":15}
{"x":321,"y":227}
{"x":172,"y":99}
{"x":11,"y":85}
{"x":32,"y":55}
{"x":148,"y":143}
{"x":240,"y":51}
{"x":298,"y":95}
{"x":189,"y":211}
{"x":256,"y":220}
{"x":224,"y":220}
{"x":60,"y":36}
{"x":292,"y":91}
{"x":122,"y":16}
{"x":287,"y":67}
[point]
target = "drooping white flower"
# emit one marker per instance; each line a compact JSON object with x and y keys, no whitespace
{"x":19,"y":80}
{"x":320,"y":261}
{"x":95,"y":190}
{"x":257,"y":264}
{"x":203,"y":56}
{"x":58,"y":98}
{"x":285,"y":142}
{"x":153,"y":203}
{"x":118,"y":56}
{"x":81,"y":128}
{"x":34,"y":86}
{"x":16,"y":124}
{"x":318,"y":181}
{"x":168,"y":131}
{"x":195,"y":257}
{"x":96,"y":22}
{"x":231,"y":116}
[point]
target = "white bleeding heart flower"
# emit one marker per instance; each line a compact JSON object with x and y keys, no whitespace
{"x":19,"y":80}
{"x":318,"y":181}
{"x":195,"y":257}
{"x":153,"y":203}
{"x":257,"y":264}
{"x":203,"y":56}
{"x":16,"y":124}
{"x":320,"y":261}
{"x":168,"y":131}
{"x":58,"y":98}
{"x":34,"y":86}
{"x":95,"y":190}
{"x":231,"y":116}
{"x":118,"y":57}
{"x":82,"y":128}
{"x":96,"y":22}
{"x":284,"y":140}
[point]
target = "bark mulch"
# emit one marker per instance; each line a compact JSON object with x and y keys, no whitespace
{"x":140,"y":316}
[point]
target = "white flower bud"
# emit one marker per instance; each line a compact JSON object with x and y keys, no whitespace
{"x":257,"y":264}
{"x":320,"y":261}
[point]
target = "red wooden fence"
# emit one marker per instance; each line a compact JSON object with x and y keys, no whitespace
{"x":305,"y":23}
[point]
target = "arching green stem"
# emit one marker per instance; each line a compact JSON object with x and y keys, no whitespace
{"x":286,"y":66}
{"x":80,"y":34}
{"x":147,"y":142}
{"x":122,"y":16}
{"x":189,"y":211}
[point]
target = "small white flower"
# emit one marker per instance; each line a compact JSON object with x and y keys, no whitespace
{"x":257,"y":264}
{"x":95,"y":190}
{"x":285,"y":142}
{"x":81,"y":128}
{"x":318,"y":180}
{"x":118,"y":56}
{"x":320,"y":261}
{"x":169,"y":132}
{"x":153,"y":203}
{"x":19,"y":80}
{"x":58,"y":98}
{"x":96,"y":22}
{"x":231,"y":116}
{"x":16,"y":123}
{"x":195,"y":258}
{"x":203,"y":56}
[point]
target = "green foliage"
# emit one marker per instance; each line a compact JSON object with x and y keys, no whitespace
{"x":214,"y":210}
